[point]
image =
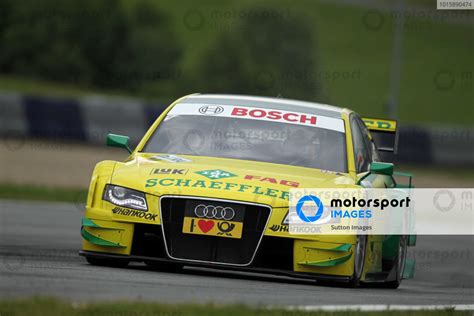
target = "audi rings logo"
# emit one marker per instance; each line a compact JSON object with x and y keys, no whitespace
{"x":211,"y":109}
{"x":214,"y":212}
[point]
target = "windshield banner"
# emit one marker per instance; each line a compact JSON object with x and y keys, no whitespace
{"x":254,"y":113}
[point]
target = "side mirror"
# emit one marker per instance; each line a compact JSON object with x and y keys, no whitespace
{"x":121,"y":141}
{"x":381,"y":168}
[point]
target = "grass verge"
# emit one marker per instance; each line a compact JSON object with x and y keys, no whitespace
{"x":52,"y":307}
{"x":27,"y":192}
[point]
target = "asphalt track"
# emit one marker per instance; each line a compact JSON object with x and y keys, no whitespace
{"x":39,"y":243}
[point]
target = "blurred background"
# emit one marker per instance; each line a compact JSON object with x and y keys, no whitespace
{"x":73,"y":71}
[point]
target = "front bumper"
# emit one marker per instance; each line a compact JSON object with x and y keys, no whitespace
{"x":276,"y":255}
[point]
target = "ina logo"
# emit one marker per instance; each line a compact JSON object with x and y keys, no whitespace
{"x":215,"y":174}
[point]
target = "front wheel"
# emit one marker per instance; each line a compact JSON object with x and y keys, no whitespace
{"x":359,"y":260}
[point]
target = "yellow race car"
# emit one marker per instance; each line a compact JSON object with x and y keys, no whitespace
{"x":208,"y":185}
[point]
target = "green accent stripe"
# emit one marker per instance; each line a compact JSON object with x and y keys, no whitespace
{"x":89,"y":223}
{"x":97,"y":240}
{"x":327,"y":263}
{"x":342,"y":248}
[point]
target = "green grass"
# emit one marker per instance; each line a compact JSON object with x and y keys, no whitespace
{"x":53,"y":307}
{"x":27,"y":192}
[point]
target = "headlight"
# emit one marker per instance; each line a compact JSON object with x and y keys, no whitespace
{"x":121,"y":196}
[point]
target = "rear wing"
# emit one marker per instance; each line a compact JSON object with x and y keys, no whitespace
{"x":384,"y":133}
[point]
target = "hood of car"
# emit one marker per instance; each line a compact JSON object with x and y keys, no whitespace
{"x":221,"y":178}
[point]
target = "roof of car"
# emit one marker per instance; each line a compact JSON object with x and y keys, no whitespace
{"x":266,"y":102}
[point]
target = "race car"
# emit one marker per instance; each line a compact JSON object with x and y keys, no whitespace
{"x":208,"y":185}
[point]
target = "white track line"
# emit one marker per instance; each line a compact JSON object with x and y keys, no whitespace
{"x":381,"y":307}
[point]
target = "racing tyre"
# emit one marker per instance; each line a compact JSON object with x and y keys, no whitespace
{"x":117,"y":263}
{"x":359,"y":260}
{"x":399,"y":263}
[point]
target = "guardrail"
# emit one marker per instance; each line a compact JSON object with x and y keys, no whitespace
{"x":91,"y":118}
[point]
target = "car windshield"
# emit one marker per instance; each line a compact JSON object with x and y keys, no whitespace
{"x":252,"y":138}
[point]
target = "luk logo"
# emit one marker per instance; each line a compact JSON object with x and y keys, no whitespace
{"x":313,"y":203}
{"x":169,"y":171}
{"x":211,"y":109}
